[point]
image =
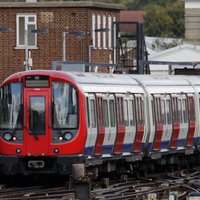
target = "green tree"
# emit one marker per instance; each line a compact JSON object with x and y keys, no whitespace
{"x":164,"y":21}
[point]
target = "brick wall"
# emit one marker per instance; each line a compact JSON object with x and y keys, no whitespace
{"x":57,"y":20}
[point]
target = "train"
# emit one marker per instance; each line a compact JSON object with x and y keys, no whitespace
{"x":51,"y":120}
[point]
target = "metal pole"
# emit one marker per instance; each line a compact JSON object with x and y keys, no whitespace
{"x":26,"y":49}
{"x":81,"y":48}
{"x":64,"y":46}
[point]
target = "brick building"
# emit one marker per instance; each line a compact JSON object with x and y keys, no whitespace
{"x":80,"y":20}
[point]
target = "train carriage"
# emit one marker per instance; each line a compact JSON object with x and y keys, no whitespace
{"x":50,"y":120}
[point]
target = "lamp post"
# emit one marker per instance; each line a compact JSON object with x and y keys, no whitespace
{"x":34,"y":31}
{"x":74,"y":33}
{"x":80,"y":33}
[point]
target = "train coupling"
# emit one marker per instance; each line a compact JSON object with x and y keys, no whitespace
{"x":36,"y":164}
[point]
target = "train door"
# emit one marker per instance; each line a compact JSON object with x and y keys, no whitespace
{"x":139,"y":102}
{"x":91,"y":124}
{"x":183,"y":120}
{"x":100,"y":124}
{"x":175,"y":120}
{"x":192,"y":119}
{"x":110,"y":123}
{"x":130,"y":123}
{"x":167,"y":121}
{"x":120,"y":124}
{"x":37,"y":123}
{"x":159,"y":112}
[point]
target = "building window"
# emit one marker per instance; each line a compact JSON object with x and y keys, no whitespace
{"x":114,"y":33}
{"x":104,"y":33}
{"x":109,"y":32}
{"x":26,"y":22}
{"x":98,"y":33}
{"x":93,"y":30}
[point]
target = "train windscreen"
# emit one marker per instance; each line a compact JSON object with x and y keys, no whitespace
{"x":11,"y":106}
{"x":65,"y":106}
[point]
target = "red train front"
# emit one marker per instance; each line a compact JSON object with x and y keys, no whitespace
{"x":41,"y":127}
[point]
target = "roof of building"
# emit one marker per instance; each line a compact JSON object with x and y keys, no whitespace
{"x":76,"y":4}
{"x":132,"y":16}
{"x":177,"y":53}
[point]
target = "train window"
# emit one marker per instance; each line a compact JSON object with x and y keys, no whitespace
{"x":163,"y":113}
{"x":139,"y":110}
{"x":120,"y":117}
{"x":153,"y":111}
{"x":88,"y":113}
{"x":112,"y":112}
{"x":93,"y":113}
{"x":168,"y":111}
{"x":174,"y":107}
{"x":11,"y":106}
{"x":157,"y":110}
{"x":132,"y":112}
{"x":65,"y":106}
{"x":185,"y":111}
{"x":191,"y":109}
{"x":180,"y":111}
{"x":105,"y":106}
{"x":126,"y":117}
{"x":100,"y":111}
{"x":37,"y":115}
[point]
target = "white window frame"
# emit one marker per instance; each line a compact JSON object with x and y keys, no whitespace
{"x":93,"y":30}
{"x":110,"y":32}
{"x":104,"y":33}
{"x":98,"y":33}
{"x":26,"y":24}
{"x":114,"y":39}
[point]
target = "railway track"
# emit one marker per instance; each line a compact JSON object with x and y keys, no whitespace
{"x":159,"y":186}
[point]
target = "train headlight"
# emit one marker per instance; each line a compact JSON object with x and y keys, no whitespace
{"x":68,"y":136}
{"x":60,"y":138}
{"x":7,"y":136}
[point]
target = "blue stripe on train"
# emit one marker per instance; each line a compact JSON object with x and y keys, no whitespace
{"x":108,"y":149}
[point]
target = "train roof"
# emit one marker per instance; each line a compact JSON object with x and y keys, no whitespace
{"x":127,"y":79}
{"x":116,"y":79}
{"x":103,"y":79}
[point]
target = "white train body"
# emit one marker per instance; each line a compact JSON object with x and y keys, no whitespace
{"x":137,"y":115}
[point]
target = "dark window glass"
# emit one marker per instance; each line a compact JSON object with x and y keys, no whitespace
{"x":88,"y":113}
{"x":126,"y":116}
{"x":93,"y":113}
{"x":168,"y":111}
{"x":185,"y":111}
{"x":112,"y":112}
{"x":132,"y":112}
{"x":37,"y":115}
{"x":65,"y":106}
{"x":11,"y":106}
{"x":105,"y":106}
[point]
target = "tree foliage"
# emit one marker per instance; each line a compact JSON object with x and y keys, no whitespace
{"x":164,"y":20}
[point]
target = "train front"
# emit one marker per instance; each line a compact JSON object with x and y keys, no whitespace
{"x":41,"y":127}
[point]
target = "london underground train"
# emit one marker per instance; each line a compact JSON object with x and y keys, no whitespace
{"x":50,"y":120}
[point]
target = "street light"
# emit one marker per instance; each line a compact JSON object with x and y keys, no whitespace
{"x":74,"y":33}
{"x":34,"y":31}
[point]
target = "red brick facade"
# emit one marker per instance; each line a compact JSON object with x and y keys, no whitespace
{"x":57,"y":18}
